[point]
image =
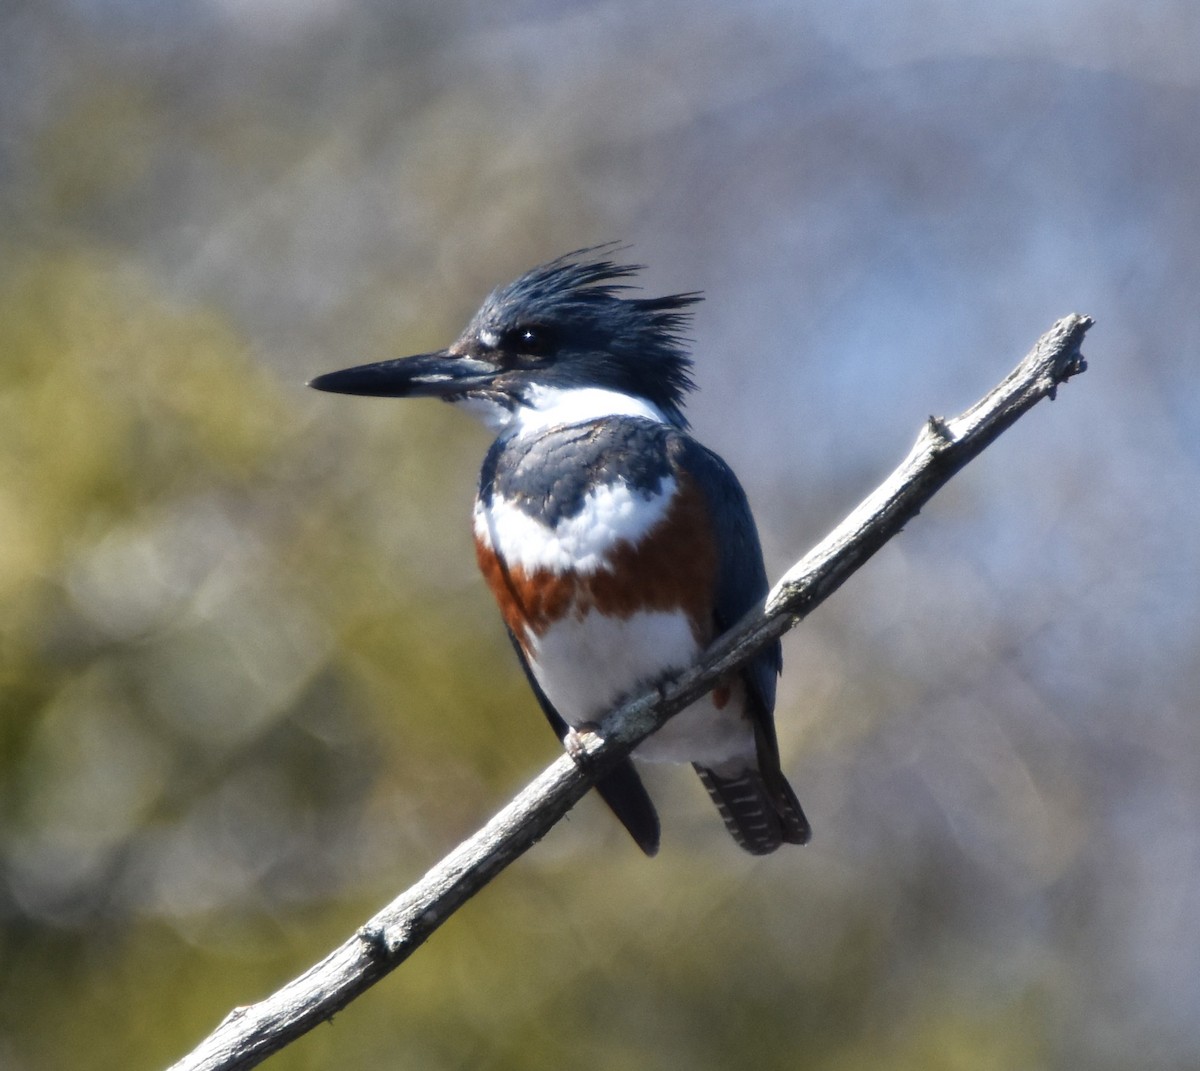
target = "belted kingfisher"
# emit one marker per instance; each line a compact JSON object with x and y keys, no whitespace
{"x":615,"y":544}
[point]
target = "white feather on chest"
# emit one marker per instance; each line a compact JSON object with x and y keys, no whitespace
{"x":610,"y":514}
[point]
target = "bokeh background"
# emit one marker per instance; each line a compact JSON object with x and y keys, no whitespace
{"x":251,"y":686}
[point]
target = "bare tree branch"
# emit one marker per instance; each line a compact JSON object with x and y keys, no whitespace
{"x":248,"y":1035}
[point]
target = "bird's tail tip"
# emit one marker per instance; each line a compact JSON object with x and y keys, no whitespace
{"x":760,"y":817}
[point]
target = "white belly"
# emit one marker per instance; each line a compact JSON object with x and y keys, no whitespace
{"x":585,"y":665}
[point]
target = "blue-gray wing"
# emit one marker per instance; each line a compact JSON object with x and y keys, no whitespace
{"x":757,"y":804}
{"x":741,"y":581}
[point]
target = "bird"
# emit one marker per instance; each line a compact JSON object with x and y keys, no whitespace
{"x":616,"y":545}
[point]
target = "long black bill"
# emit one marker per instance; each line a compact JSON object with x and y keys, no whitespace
{"x":427,"y":375}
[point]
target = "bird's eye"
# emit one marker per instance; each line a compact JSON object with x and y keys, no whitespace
{"x":532,"y":340}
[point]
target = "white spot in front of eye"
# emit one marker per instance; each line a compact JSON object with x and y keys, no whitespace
{"x":489,"y":338}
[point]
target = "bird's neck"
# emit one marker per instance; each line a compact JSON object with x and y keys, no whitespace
{"x":543,"y":408}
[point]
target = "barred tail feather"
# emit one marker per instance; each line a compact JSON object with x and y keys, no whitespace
{"x":760,"y":818}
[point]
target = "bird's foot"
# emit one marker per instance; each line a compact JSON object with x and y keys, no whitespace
{"x":579,"y":740}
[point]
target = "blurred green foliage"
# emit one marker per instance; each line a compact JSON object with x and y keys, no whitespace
{"x":199,"y":648}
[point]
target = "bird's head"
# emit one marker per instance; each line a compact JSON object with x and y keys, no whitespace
{"x":565,"y":330}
